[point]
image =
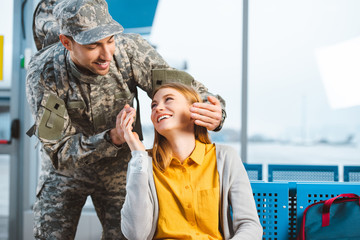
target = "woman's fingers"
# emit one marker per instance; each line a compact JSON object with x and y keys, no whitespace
{"x":126,"y":121}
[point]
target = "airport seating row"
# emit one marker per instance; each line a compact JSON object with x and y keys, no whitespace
{"x":308,"y":173}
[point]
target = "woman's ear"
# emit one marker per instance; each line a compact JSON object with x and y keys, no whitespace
{"x":66,"y":42}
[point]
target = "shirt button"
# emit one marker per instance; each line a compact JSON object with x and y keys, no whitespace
{"x":197,"y":234}
{"x":184,"y":169}
{"x":192,"y":223}
{"x":186,"y":187}
{"x":189,"y":205}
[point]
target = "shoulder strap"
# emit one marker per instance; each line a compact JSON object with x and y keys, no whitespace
{"x":137,"y":127}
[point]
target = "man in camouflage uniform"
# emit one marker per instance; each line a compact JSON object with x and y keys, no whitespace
{"x":76,"y":89}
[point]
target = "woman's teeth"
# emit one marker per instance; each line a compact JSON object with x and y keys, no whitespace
{"x":163,"y":117}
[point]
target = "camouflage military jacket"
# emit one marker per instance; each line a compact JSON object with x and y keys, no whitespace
{"x":74,"y":112}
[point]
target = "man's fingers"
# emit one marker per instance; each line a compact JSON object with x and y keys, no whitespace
{"x":213,"y":100}
{"x":199,"y":112}
{"x":207,"y":125}
{"x":197,"y":107}
{"x":202,"y":118}
{"x":207,"y":114}
{"x":213,"y":104}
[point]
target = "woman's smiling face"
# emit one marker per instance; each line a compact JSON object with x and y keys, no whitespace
{"x":170,"y":111}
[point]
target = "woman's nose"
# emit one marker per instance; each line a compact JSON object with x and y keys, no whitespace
{"x":159,"y":107}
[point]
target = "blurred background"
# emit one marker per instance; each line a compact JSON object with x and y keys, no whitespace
{"x":288,"y":71}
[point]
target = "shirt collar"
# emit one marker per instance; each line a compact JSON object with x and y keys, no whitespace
{"x":199,"y":152}
{"x":196,"y":156}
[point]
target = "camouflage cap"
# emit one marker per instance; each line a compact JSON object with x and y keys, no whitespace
{"x":86,"y":21}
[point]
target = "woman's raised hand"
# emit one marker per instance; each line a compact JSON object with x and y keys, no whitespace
{"x":131,"y":138}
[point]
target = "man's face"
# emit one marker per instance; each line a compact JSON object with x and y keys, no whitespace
{"x":95,"y":57}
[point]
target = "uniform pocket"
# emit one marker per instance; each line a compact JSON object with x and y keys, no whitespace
{"x":53,"y":117}
{"x":51,"y":126}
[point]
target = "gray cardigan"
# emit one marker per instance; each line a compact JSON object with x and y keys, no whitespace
{"x":140,"y":211}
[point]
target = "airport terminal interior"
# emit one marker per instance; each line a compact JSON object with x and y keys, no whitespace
{"x":287,"y":70}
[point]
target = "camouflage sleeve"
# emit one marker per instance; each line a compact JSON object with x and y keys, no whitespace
{"x":45,"y":27}
{"x":67,"y":147}
{"x":144,"y":58}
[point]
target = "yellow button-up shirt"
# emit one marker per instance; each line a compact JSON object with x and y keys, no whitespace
{"x":189,"y":196}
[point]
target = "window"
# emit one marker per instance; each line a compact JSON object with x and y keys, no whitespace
{"x":303,"y":67}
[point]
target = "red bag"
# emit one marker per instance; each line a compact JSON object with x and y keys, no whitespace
{"x":336,"y":218}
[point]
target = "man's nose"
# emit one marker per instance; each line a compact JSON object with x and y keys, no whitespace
{"x":106,"y":53}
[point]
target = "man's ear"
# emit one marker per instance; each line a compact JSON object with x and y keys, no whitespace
{"x":66,"y":41}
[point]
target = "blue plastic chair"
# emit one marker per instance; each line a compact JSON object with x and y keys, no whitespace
{"x":303,"y":173}
{"x":351,"y":173}
{"x":254,"y":171}
{"x":272,"y":205}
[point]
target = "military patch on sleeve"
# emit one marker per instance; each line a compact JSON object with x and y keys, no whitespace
{"x":52,"y":120}
{"x":163,"y":76}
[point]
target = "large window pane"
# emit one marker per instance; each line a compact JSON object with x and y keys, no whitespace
{"x":302,"y":67}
